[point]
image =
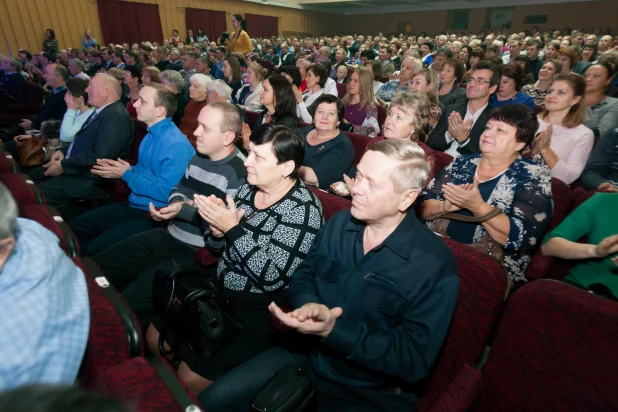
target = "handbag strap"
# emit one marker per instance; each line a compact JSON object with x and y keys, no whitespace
{"x":473,"y":219}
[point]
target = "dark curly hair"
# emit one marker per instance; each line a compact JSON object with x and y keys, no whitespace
{"x":521,"y":118}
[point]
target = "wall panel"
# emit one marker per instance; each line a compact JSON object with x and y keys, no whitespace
{"x":23,"y":22}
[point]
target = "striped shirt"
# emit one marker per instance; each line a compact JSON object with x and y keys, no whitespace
{"x":205,"y":177}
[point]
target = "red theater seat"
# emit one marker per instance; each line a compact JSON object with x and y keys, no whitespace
{"x":50,"y":218}
{"x":554,"y":350}
{"x":24,"y":191}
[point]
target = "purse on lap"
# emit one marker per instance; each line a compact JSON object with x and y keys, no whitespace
{"x":487,"y":245}
{"x":190,"y":305}
{"x":288,"y":391}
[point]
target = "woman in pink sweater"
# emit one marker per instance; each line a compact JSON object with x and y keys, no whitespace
{"x":563,"y":143}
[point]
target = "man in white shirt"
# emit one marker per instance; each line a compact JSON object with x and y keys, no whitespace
{"x":514,"y":51}
{"x":76,"y":68}
{"x":460,"y":127}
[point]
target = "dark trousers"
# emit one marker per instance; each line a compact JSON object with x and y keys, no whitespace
{"x":235,"y":390}
{"x":105,"y":226}
{"x":130,"y":266}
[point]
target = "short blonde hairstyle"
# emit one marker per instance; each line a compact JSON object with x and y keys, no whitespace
{"x":412,"y":169}
{"x":258,"y":70}
{"x":416,"y":104}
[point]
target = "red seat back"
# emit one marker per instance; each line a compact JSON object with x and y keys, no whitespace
{"x":331,"y":204}
{"x":252,"y":117}
{"x":141,"y":130}
{"x":342,"y":89}
{"x":554,"y":350}
{"x":538,"y":109}
{"x":360,"y":142}
{"x":381,"y":117}
{"x":50,"y":218}
{"x":24,"y":191}
{"x":482,"y":286}
{"x":384,"y":79}
{"x":540,"y":265}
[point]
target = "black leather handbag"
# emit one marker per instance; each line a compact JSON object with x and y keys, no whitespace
{"x":288,"y":391}
{"x":190,"y":305}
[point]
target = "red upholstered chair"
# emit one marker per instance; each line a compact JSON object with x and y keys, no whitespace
{"x":151,"y":385}
{"x":360,"y":142}
{"x":540,"y":265}
{"x":22,"y":188}
{"x":384,"y":79}
{"x":381,"y":116}
{"x":141,"y":130}
{"x":331,"y":204}
{"x":7,"y":163}
{"x":50,"y":218}
{"x":252,"y":117}
{"x":482,"y":287}
{"x":31,"y":106}
{"x":538,"y":109}
{"x":460,"y":393}
{"x":303,"y":124}
{"x":115,"y":335}
{"x":554,"y":350}
{"x":342,"y":89}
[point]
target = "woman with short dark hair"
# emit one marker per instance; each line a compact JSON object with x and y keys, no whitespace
{"x":473,"y":185}
{"x":601,"y":109}
{"x":232,"y":73}
{"x":509,"y":88}
{"x":451,"y":74}
{"x":316,"y":79}
{"x":262,"y":234}
{"x":540,"y":89}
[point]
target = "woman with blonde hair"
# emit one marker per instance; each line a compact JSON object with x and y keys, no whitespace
{"x":150,"y":74}
{"x":88,"y":41}
{"x":425,"y":81}
{"x":563,"y":143}
{"x":361,"y":113}
{"x":249,"y":95}
{"x":409,"y":66}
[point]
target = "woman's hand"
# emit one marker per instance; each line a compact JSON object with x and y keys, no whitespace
{"x":543,"y":140}
{"x":381,"y":102}
{"x":608,"y":187}
{"x":245,"y":135}
{"x":608,"y":246}
{"x":448,"y":207}
{"x":298,"y":95}
{"x":70,"y":101}
{"x":466,"y":196}
{"x":216,"y":214}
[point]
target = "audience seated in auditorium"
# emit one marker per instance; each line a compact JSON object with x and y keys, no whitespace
{"x":570,"y":61}
{"x":316,"y":79}
{"x":287,"y":216}
{"x":473,"y":185}
{"x":563,"y":142}
{"x":12,"y":84}
{"x":409,"y":66}
{"x":249,"y":95}
{"x":601,"y":110}
{"x":328,"y":151}
{"x":150,"y":74}
{"x":202,"y":65}
{"x":535,"y":62}
{"x":440,"y":57}
{"x":163,"y":156}
{"x":524,"y":63}
{"x":198,"y":99}
{"x":174,"y":81}
{"x":509,"y":89}
{"x":460,"y":127}
{"x":451,"y":75}
{"x":369,"y":254}
{"x":43,"y":301}
{"x":384,"y":56}
{"x":601,"y":171}
{"x":56,"y":77}
{"x":175,"y":62}
{"x":539,"y":90}
{"x":376,"y":71}
{"x":361,"y":113}
{"x":163,"y":60}
{"x":595,"y":220}
{"x":106,"y":134}
{"x":78,"y":109}
{"x":232,"y":74}
{"x":425,"y":81}
{"x":216,"y":170}
{"x":219,"y":91}
{"x":330,"y":87}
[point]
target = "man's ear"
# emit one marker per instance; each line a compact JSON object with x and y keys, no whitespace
{"x":230,"y":138}
{"x":407,"y":199}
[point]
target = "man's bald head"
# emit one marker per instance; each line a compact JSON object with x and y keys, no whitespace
{"x":103,"y":89}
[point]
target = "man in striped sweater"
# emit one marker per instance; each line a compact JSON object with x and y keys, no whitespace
{"x":217,"y":169}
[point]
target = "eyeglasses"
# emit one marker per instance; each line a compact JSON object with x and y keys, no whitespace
{"x":478,"y":81}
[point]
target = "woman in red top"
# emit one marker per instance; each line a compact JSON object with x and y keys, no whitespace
{"x":197,"y":101}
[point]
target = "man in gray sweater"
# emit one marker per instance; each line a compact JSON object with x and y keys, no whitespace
{"x":217,"y":169}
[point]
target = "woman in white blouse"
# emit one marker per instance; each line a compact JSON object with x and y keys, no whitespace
{"x":563,"y":142}
{"x":316,"y":79}
{"x":78,"y":110}
{"x":248,"y":96}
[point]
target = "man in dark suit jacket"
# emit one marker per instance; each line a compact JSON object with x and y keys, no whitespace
{"x":461,"y":125}
{"x":106,"y":55}
{"x":12,"y":84}
{"x":162,"y":56}
{"x":175,"y":64}
{"x":107,"y":134}
{"x":56,"y":77}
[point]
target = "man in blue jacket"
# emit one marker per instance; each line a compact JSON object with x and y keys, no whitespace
{"x":376,"y":291}
{"x":162,"y":158}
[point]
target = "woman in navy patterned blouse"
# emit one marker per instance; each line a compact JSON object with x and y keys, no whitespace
{"x":264,"y":235}
{"x":498,"y":177}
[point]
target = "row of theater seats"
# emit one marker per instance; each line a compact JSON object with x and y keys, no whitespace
{"x":551,"y":344}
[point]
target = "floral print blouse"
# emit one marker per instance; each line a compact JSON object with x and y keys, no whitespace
{"x":523,"y":192}
{"x":390,"y":88}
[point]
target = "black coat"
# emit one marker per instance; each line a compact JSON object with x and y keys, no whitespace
{"x":437,"y":138}
{"x":12,"y":88}
{"x":108,"y":136}
{"x":54,"y":109}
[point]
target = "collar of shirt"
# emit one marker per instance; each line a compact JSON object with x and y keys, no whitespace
{"x":385,"y":62}
{"x":476,"y":114}
{"x":100,"y":109}
{"x":59,"y":89}
{"x":158,"y":127}
{"x":400,"y":241}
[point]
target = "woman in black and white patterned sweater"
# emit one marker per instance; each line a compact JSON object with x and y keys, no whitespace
{"x":264,"y":234}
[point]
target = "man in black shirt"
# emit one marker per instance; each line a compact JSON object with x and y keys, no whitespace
{"x":378,"y":290}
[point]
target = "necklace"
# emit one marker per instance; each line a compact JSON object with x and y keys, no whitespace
{"x":476,"y":174}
